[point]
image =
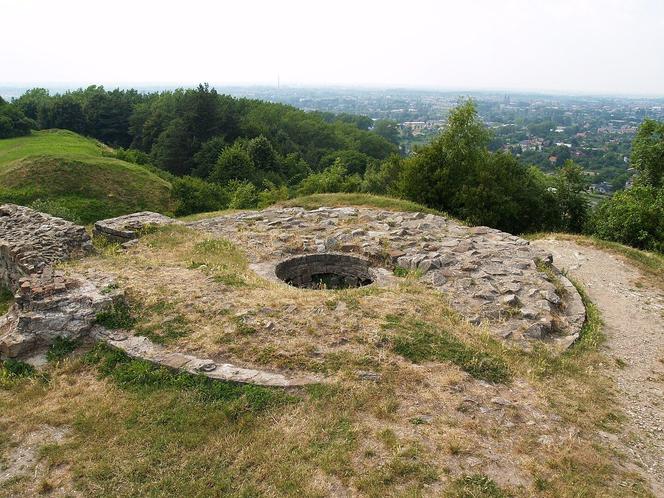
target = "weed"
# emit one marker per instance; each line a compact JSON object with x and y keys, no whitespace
{"x":141,"y":375}
{"x":110,"y":288}
{"x":6,"y":299}
{"x":117,"y":316}
{"x":61,"y":348}
{"x":474,"y":486}
{"x":16,"y":369}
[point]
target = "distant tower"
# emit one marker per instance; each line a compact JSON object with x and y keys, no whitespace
{"x":278,"y":81}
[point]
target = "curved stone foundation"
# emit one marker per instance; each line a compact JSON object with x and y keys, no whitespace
{"x":491,"y":277}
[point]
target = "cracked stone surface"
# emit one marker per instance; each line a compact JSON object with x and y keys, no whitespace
{"x":491,"y":277}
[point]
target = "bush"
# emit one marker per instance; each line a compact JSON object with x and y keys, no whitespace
{"x":194,"y":195}
{"x":243,"y":195}
{"x":634,"y":217}
{"x":333,"y":179}
{"x":13,"y":122}
{"x":57,"y":208}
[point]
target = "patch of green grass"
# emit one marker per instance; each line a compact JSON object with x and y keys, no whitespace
{"x":405,"y":467}
{"x":13,"y":371}
{"x":6,"y":300}
{"x":419,"y":341}
{"x":118,"y":316}
{"x":165,"y":331}
{"x":17,"y":369}
{"x":222,"y":260}
{"x":474,"y":486}
{"x":61,"y":348}
{"x":144,"y":377}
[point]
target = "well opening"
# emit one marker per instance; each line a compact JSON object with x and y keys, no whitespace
{"x":325,"y":271}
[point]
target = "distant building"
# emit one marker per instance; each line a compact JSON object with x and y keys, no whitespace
{"x":601,"y":188}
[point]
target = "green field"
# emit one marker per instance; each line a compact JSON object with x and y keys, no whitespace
{"x":68,"y":175}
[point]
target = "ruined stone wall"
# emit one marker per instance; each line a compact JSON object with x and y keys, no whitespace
{"x":30,"y":241}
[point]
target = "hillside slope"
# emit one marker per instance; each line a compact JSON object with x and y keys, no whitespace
{"x":68,"y":175}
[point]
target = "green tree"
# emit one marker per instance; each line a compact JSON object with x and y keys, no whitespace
{"x":570,"y":184}
{"x":648,"y":153}
{"x":172,"y":151}
{"x":333,"y":179}
{"x":634,"y":216}
{"x":387,"y":129}
{"x":234,"y":163}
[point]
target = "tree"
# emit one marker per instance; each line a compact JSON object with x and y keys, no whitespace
{"x":648,"y":153}
{"x":333,"y":179}
{"x":457,"y":173}
{"x":13,"y":123}
{"x":570,"y":185}
{"x":234,"y":163}
{"x":172,"y":151}
{"x":634,"y":216}
{"x":206,"y":158}
{"x":387,"y":129}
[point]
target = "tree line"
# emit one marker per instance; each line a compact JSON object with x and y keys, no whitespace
{"x":219,"y":152}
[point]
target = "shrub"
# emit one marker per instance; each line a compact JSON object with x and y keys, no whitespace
{"x":634,"y":216}
{"x":243,"y":195}
{"x":333,"y":179}
{"x":194,"y":195}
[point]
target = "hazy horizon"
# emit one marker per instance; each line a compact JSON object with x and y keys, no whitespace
{"x":580,"y":47}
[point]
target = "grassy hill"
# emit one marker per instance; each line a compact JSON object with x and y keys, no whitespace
{"x":68,"y":175}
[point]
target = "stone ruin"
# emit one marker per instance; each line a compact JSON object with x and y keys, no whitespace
{"x":490,"y":277}
{"x":48,"y":303}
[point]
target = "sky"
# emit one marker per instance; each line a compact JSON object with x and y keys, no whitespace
{"x":564,"y":46}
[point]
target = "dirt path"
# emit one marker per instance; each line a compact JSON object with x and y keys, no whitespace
{"x":633,"y":313}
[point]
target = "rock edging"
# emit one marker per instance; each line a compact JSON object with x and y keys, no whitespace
{"x":140,"y":347}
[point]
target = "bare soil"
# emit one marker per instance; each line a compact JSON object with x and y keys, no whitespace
{"x":632,"y":309}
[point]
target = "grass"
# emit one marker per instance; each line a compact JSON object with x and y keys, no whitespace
{"x":117,"y":316}
{"x":142,"y":376}
{"x":409,"y":428}
{"x":6,"y":299}
{"x":361,"y":200}
{"x":67,"y":175}
{"x":474,"y":486}
{"x":419,"y":341}
{"x":61,"y":348}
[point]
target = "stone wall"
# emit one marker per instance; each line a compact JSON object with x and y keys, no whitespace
{"x":48,"y":303}
{"x":30,"y":241}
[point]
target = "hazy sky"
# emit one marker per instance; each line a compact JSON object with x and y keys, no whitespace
{"x":604,"y":46}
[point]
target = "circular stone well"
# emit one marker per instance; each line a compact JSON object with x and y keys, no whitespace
{"x":325,"y":271}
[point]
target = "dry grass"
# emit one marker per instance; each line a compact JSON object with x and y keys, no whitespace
{"x":425,"y":428}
